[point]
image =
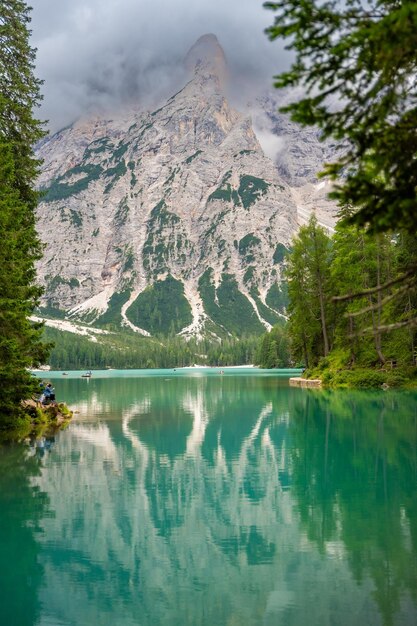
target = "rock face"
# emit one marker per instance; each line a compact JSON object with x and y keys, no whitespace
{"x":167,"y":221}
{"x":299,"y":155}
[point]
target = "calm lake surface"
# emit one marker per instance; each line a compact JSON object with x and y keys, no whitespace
{"x":195,"y":498}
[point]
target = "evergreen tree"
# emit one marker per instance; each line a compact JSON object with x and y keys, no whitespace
{"x":356,"y":62}
{"x":373,"y":267}
{"x":19,"y":95}
{"x":404,"y":304}
{"x":361,"y":261}
{"x":309,"y":287}
{"x":20,"y":340}
{"x":274,"y":349}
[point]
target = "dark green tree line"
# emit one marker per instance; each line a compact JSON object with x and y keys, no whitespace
{"x":367,"y":330}
{"x":20,"y":340}
{"x":274,"y":349}
{"x":355,"y":63}
{"x":309,"y":285}
{"x":128,"y":351}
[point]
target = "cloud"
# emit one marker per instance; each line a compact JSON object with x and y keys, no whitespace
{"x":271,"y":144}
{"x":96,"y":55}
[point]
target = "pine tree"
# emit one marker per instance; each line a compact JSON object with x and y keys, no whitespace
{"x":404,"y":305}
{"x":355,"y":64}
{"x":361,"y":261}
{"x":310,"y":289}
{"x":20,"y":340}
{"x":273,"y":349}
{"x":363,"y":56}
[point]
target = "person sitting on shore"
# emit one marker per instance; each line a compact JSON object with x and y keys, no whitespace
{"x":46,"y":395}
{"x":51,"y":392}
{"x":41,"y":398}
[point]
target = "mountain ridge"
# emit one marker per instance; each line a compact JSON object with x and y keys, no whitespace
{"x":180,"y":200}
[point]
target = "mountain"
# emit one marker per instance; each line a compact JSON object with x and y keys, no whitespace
{"x":173,"y":220}
{"x":298,"y":155}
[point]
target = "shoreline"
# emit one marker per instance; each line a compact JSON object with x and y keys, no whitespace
{"x":206,"y":370}
{"x":212,"y":367}
{"x":38,"y":420}
{"x":363,"y":378}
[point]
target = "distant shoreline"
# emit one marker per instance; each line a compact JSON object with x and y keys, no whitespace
{"x":171,"y":371}
{"x":212,"y":367}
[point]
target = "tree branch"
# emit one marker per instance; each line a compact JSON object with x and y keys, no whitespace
{"x":373,"y":307}
{"x":411,"y":323}
{"x":367,"y":292}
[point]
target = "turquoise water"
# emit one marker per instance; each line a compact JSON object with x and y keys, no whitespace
{"x":192,"y":497}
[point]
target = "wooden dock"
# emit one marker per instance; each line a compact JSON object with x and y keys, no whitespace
{"x":305,"y":382}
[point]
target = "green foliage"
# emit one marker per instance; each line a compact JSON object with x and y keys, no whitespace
{"x":277,"y":297}
{"x":227,"y":306}
{"x":112,"y":318}
{"x":249,"y":275}
{"x":370,"y":339}
{"x":251,"y":189}
{"x":311,"y":323}
{"x":54,"y":282}
{"x":144,"y":128}
{"x":280,"y":252}
{"x":162,"y":239}
{"x":161,"y":217}
{"x":50,"y":312}
{"x":216,"y":220}
{"x":122,"y":212}
{"x":161,"y":308}
{"x":224,"y":191}
{"x":172,"y":176}
{"x":247,"y":245}
{"x":133,"y":179}
{"x":98,"y":146}
{"x":120,"y":151}
{"x":230,"y":351}
{"x":76,"y":218}
{"x":364,"y":55}
{"x":193,"y":156}
{"x":114,"y":173}
{"x":246,"y":151}
{"x":360,"y":262}
{"x":19,"y":95}
{"x":60,"y":190}
{"x":127,"y":350}
{"x":358,"y":377}
{"x":274,"y":349}
{"x":129,"y":259}
{"x":265,"y":312}
{"x":20,"y":340}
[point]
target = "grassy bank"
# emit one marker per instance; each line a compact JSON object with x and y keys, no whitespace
{"x":36,"y":419}
{"x":336,"y":376}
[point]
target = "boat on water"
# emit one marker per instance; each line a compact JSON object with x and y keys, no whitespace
{"x":87,"y":374}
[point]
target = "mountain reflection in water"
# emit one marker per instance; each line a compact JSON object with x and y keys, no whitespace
{"x":229,"y":500}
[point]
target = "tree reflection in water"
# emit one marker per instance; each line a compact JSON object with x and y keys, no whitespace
{"x":354,"y":474}
{"x":230,"y":501}
{"x":22,"y":506}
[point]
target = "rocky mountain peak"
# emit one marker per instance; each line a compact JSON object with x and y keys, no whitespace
{"x":206,"y":58}
{"x":172,"y":220}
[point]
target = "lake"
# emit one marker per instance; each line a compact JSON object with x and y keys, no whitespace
{"x":200,"y":498}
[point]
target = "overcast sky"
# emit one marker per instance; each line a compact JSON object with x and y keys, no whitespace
{"x":96,"y":54}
